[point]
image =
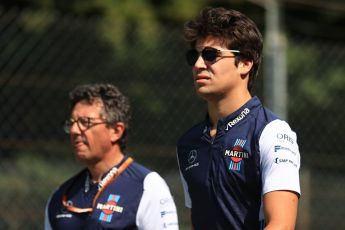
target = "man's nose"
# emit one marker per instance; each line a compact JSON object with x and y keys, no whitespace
{"x":200,"y":63}
{"x":74,"y":129}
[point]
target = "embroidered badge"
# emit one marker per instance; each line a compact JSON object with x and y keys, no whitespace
{"x":236,"y":154}
{"x":109,"y":208}
{"x":192,"y":157}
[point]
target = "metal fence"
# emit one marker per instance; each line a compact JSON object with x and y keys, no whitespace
{"x":41,"y":59}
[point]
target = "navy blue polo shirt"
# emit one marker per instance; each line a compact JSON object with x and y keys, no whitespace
{"x":225,"y":178}
{"x":136,"y":199}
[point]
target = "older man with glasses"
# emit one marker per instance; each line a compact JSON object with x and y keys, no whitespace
{"x":113,"y":191}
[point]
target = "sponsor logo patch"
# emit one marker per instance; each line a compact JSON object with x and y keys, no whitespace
{"x":236,"y":155}
{"x":241,"y":116}
{"x":279,"y":147}
{"x":109,"y":208}
{"x":278,"y":160}
{"x":192,"y":156}
{"x":283,"y":137}
{"x":63,"y":215}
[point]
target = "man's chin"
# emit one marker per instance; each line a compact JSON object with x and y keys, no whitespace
{"x":81,"y":156}
{"x":206,"y":94}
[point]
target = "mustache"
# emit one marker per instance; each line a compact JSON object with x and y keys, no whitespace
{"x":79,"y":138}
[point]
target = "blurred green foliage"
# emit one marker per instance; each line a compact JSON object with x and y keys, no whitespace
{"x":129,"y":39}
{"x":133,"y":44}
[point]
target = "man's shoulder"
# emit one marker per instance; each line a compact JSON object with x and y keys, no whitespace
{"x":268,"y":114}
{"x":149,"y":179}
{"x":154,"y":181}
{"x":79,"y":177}
{"x":76,"y":180}
{"x":136,"y":172}
{"x":259,"y":112}
{"x":192,"y":133}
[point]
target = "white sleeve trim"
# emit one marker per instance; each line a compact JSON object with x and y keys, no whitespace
{"x":187,"y":199}
{"x":47,"y":225}
{"x":157,"y":208}
{"x":279,"y":158}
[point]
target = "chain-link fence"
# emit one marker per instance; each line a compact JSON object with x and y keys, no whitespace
{"x":45,"y":57}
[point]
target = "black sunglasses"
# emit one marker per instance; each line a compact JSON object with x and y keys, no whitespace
{"x":209,"y":54}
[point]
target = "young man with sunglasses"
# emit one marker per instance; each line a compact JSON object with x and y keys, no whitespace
{"x":240,"y":166}
{"x":113,"y":191}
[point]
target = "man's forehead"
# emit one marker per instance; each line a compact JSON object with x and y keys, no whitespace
{"x":90,"y":105}
{"x":210,"y":41}
{"x":94,"y":101}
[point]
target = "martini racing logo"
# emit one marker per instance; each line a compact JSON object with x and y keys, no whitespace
{"x":237,"y":154}
{"x":109,"y":208}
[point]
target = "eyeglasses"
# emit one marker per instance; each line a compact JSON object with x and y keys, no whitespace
{"x":83,"y":123}
{"x":209,"y":54}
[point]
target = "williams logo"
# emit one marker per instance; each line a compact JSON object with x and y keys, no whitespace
{"x":237,"y":154}
{"x":109,"y":208}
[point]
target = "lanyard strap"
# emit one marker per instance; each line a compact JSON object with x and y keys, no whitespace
{"x":74,"y":209}
{"x":122,"y":168}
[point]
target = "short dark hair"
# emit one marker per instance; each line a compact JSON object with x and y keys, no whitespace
{"x":116,"y":107}
{"x":233,"y":30}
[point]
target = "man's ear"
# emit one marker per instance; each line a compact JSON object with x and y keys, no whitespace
{"x":116,"y":131}
{"x":244,"y":67}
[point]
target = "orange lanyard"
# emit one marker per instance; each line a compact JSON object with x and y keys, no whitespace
{"x":105,"y":184}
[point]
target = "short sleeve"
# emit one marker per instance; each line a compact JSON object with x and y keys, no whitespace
{"x":279,"y":158}
{"x":157,"y":208}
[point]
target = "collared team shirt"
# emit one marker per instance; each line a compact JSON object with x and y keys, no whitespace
{"x":225,"y":178}
{"x":137,"y":199}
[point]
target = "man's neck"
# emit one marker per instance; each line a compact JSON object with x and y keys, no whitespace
{"x":98,"y":169}
{"x":222,"y":107}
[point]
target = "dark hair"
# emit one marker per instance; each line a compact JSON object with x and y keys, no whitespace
{"x":233,"y":30}
{"x":116,"y":107}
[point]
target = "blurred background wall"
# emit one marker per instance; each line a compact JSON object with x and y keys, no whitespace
{"x":47,"y":47}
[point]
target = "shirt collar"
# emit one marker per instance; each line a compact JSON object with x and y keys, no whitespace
{"x":233,"y":119}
